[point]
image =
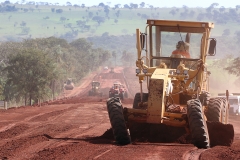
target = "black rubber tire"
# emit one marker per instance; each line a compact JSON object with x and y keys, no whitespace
{"x":197,"y":124}
{"x":217,"y":110}
{"x":137,"y":99}
{"x":115,"y":112}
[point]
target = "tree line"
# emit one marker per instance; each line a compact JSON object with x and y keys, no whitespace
{"x":37,"y":68}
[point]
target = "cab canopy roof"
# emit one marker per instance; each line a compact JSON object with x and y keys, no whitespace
{"x":182,"y":26}
{"x":95,"y":83}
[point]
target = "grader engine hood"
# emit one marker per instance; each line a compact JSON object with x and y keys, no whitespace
{"x":159,"y":86}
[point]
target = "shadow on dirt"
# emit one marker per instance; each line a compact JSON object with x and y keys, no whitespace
{"x":161,"y":133}
{"x":93,"y":140}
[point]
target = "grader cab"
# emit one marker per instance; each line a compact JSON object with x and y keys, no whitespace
{"x":172,"y":63}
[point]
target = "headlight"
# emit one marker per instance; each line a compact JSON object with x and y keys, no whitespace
{"x":185,"y":72}
{"x":178,"y":71}
{"x":145,"y":71}
{"x":138,"y":70}
{"x":171,"y":72}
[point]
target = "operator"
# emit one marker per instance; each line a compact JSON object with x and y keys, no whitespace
{"x":182,"y":49}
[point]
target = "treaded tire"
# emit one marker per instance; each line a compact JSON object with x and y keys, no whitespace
{"x":137,"y":99}
{"x":217,"y":110}
{"x":115,"y":112}
{"x":197,"y":124}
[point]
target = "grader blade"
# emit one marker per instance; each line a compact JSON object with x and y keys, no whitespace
{"x":220,"y":134}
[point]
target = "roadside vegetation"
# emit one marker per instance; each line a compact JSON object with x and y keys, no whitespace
{"x":37,"y":68}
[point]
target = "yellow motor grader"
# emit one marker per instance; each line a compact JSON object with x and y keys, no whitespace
{"x":171,"y":61}
{"x":95,"y":90}
{"x":69,"y":85}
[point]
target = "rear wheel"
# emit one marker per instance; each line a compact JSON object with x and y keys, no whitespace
{"x":217,"y":110}
{"x":115,"y":112}
{"x":137,"y":100}
{"x":197,"y":124}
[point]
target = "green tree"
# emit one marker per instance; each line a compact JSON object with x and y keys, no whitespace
{"x":98,"y":19}
{"x":127,"y":58}
{"x":25,"y":30}
{"x":63,"y":19}
{"x":234,"y":67}
{"x":88,"y":58}
{"x":29,"y":73}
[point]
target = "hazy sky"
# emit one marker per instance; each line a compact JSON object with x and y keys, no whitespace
{"x":155,"y":3}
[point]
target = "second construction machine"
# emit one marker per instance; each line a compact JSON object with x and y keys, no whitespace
{"x":118,"y":90}
{"x":95,"y":90}
{"x":174,"y":69}
{"x":69,"y":85}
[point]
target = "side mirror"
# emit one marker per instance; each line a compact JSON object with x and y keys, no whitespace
{"x":212,"y":47}
{"x":142,"y":39}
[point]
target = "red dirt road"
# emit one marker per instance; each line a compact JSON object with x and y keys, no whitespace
{"x":72,"y":128}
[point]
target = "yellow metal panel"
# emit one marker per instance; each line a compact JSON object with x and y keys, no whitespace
{"x":138,"y":45}
{"x":156,"y":96}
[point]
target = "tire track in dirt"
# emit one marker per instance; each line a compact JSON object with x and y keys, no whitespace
{"x":35,"y":118}
{"x":16,"y":146}
{"x":13,"y":131}
{"x":99,"y":116}
{"x":51,"y":116}
{"x":24,"y":134}
{"x":70,"y":140}
{"x":77,"y":134}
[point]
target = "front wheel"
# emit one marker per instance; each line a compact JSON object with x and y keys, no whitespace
{"x":197,"y":124}
{"x":115,"y":112}
{"x":217,"y":110}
